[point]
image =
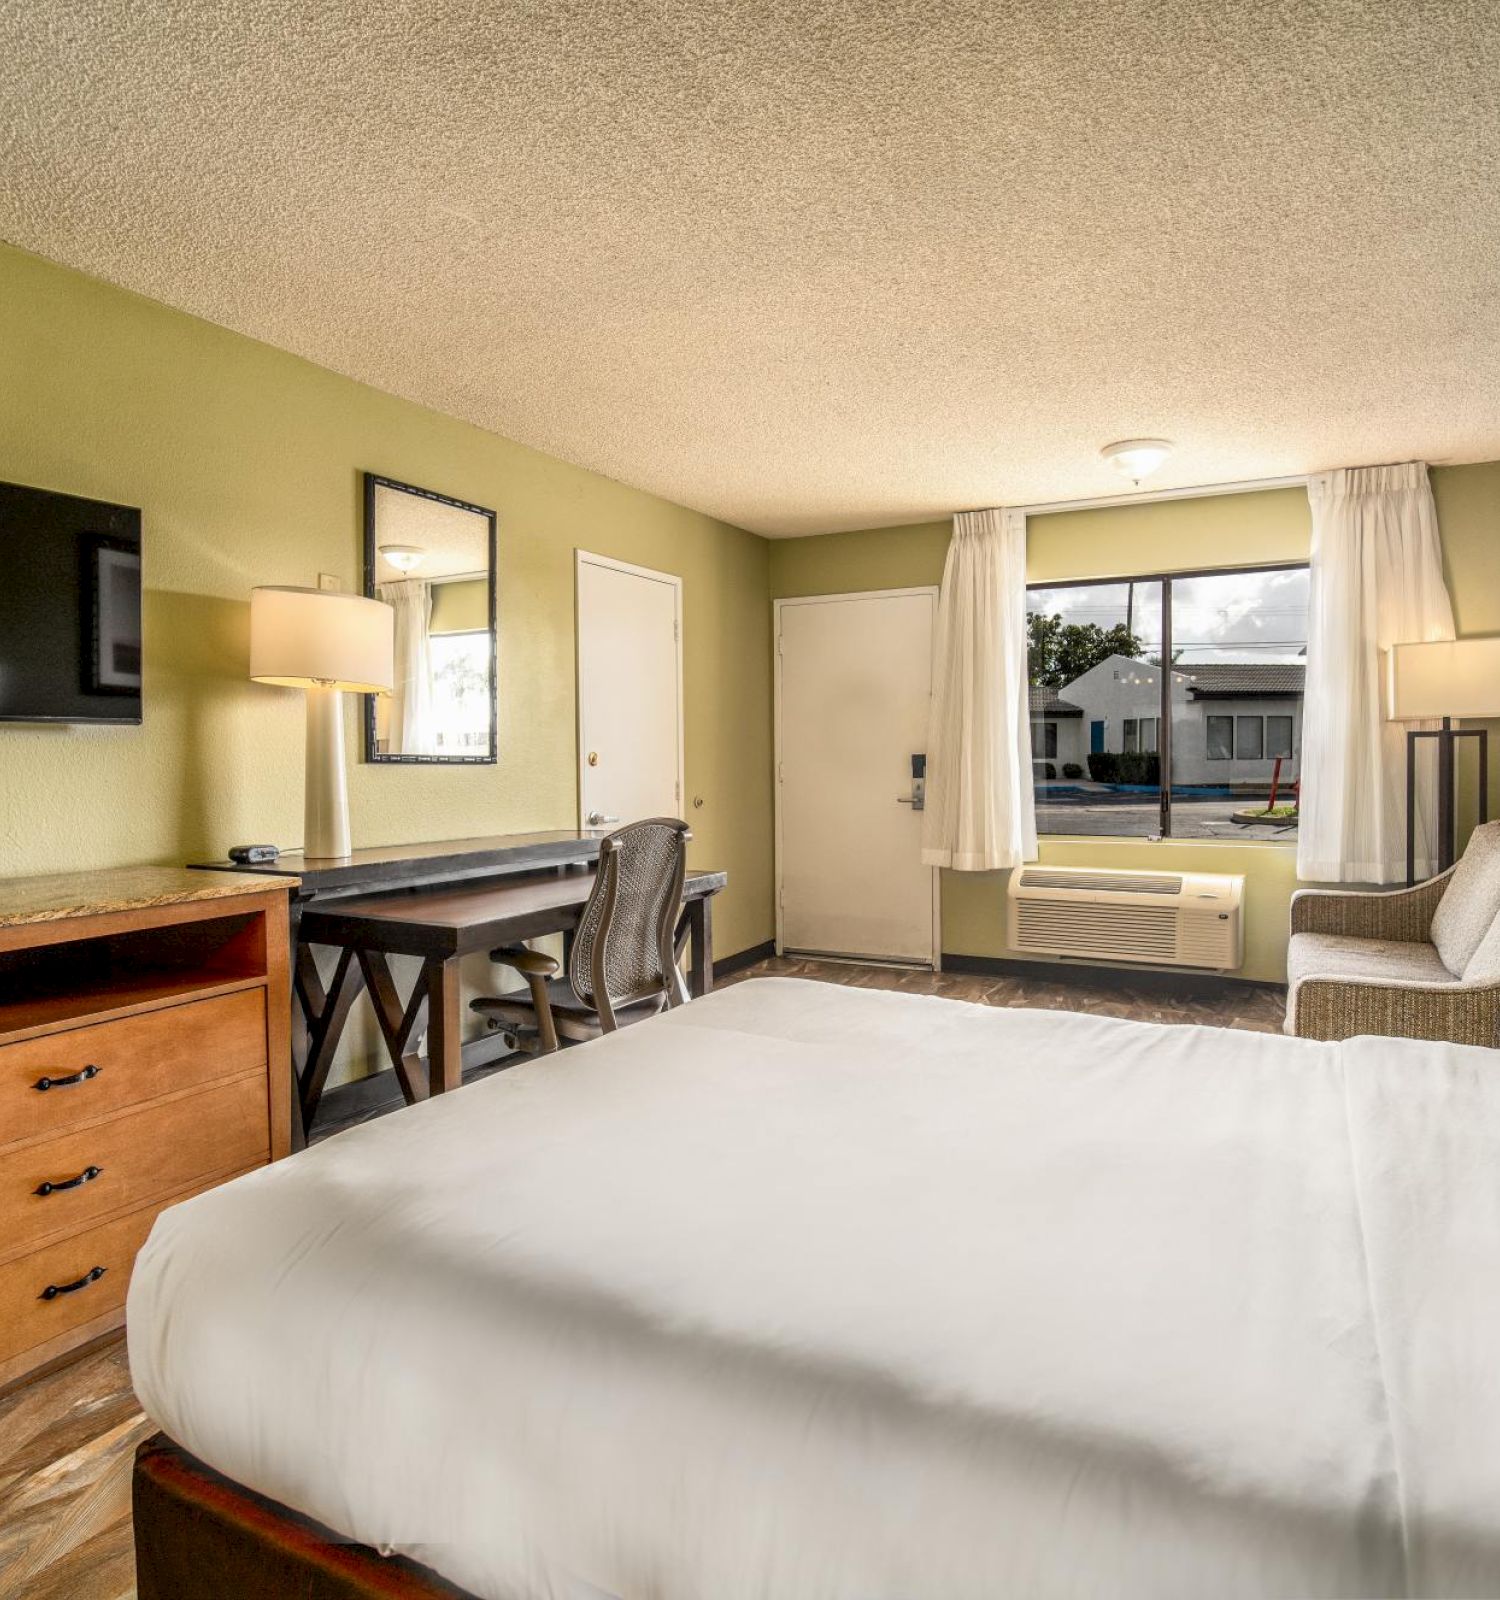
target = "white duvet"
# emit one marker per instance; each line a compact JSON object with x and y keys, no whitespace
{"x":814,"y":1293}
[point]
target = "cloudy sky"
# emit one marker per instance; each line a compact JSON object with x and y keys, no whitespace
{"x":1242,"y":616}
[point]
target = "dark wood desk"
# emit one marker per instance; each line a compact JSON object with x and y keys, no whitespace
{"x":395,"y":866}
{"x":441,"y":927}
{"x":437,"y":902}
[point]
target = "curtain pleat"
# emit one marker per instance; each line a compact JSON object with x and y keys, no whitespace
{"x":980,"y":814}
{"x":1377,"y":580}
{"x":411,"y":721}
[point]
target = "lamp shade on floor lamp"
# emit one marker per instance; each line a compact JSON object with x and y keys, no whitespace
{"x":328,"y":643}
{"x":1442,"y":679}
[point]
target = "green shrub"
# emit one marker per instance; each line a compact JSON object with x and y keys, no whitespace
{"x":1071,"y":769}
{"x":1140,"y":766}
{"x":1043,"y":769}
{"x":1104,"y":766}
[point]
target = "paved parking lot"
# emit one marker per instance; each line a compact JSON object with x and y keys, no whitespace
{"x":1191,"y":818}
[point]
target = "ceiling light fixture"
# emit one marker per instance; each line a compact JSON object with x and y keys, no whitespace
{"x":1137,"y":458}
{"x":404,"y":557}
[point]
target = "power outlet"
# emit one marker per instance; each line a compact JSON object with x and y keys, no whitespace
{"x":330,"y":580}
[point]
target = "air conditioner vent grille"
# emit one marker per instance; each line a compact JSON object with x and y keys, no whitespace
{"x":1125,"y":931}
{"x":1100,"y":882}
{"x":1189,"y":919}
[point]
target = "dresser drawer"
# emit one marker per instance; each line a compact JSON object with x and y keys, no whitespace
{"x":111,"y":1065}
{"x":28,"y":1320}
{"x":134,"y":1158}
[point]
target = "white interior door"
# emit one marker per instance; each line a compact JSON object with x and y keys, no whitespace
{"x":629,"y":693}
{"x":854,"y":676}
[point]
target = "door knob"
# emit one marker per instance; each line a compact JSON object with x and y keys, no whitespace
{"x":597,"y":819}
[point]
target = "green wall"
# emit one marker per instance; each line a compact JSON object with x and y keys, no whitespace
{"x":1155,"y":536}
{"x":461,"y":607}
{"x":1468,"y":507}
{"x":246,"y":463}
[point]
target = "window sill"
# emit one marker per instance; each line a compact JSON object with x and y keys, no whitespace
{"x":1187,"y":843}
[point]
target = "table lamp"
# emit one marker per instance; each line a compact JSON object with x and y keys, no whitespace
{"x":328,"y":643}
{"x":1443,"y":678}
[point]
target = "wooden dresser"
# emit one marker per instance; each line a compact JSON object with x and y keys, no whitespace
{"x":143,"y":1057}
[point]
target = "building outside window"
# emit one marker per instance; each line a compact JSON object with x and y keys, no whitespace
{"x":1233,"y":645}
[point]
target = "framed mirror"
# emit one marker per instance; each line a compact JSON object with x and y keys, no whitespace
{"x":432,"y":559}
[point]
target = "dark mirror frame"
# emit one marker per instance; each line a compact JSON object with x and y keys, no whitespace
{"x":374,"y":481}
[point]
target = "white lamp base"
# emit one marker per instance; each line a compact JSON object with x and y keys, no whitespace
{"x":325,"y":830}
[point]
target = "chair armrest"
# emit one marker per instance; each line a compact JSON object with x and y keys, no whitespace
{"x":1403,"y":914}
{"x":529,"y":963}
{"x":1343,"y":1008}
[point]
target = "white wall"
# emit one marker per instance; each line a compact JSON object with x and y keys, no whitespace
{"x":1119,"y":688}
{"x":1190,"y":762}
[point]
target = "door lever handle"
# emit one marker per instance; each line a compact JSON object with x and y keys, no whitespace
{"x":905,"y":800}
{"x":597,"y":819}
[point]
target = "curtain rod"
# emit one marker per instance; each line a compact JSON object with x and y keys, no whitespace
{"x":1202,"y":492}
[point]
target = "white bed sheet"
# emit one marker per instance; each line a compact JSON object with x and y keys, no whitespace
{"x":819,"y":1293}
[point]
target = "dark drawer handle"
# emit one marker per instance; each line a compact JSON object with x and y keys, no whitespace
{"x":52,"y":1290}
{"x":86,"y":1176}
{"x":67,"y":1083}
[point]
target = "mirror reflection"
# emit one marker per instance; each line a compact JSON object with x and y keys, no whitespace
{"x":432,"y":560}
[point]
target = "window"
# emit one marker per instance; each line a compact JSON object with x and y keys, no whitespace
{"x":1044,"y":741}
{"x":461,"y":691}
{"x":1160,"y":670}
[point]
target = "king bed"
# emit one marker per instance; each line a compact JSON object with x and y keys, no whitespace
{"x":816,"y":1293}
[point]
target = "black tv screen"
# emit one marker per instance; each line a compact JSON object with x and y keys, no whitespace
{"x":70,"y":608}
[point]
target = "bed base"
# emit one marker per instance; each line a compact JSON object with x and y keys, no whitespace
{"x":200,"y":1536}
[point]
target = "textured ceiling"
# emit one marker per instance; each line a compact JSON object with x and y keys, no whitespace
{"x":809,"y":265}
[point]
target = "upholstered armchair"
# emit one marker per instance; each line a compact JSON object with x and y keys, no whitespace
{"x":1420,"y":963}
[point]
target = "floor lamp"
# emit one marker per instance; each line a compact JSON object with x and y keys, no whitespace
{"x":329,"y":643}
{"x":1444,"y":679}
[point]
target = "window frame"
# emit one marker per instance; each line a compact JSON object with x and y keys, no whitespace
{"x":1227,"y":752}
{"x":1164,"y":706}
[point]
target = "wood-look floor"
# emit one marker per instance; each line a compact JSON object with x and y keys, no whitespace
{"x":67,"y":1439}
{"x":66,"y":1442}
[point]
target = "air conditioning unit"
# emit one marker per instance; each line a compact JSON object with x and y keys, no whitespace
{"x":1169,"y":919}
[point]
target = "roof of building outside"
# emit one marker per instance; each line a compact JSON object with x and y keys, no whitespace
{"x":1051,"y":703}
{"x":1241,"y":680}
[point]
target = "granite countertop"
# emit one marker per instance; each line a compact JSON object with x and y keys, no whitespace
{"x":91,"y":894}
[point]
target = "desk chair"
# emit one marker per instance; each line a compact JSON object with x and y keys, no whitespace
{"x":623,"y":962}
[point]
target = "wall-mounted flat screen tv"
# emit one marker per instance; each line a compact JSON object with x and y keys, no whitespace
{"x":70,"y":608}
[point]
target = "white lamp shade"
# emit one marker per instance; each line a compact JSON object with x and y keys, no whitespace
{"x":321,"y":636}
{"x":1444,"y":678}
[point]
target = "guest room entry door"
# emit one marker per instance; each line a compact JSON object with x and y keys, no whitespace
{"x":629,"y":692}
{"x":853,"y":679}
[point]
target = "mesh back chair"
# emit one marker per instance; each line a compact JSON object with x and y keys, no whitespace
{"x":623,"y":962}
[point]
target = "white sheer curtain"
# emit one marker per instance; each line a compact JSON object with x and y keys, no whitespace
{"x":1377,"y":580}
{"x":980,"y":814}
{"x":411,"y":730}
